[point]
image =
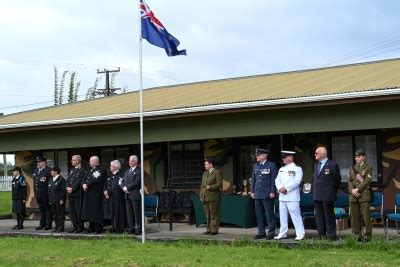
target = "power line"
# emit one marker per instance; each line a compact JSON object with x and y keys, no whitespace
{"x":394,"y":41}
{"x":146,"y":75}
{"x":32,"y":104}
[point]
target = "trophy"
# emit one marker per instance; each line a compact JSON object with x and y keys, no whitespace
{"x":306,"y":188}
{"x":245,"y":190}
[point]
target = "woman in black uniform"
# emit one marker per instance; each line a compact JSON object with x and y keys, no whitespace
{"x":19,"y":194}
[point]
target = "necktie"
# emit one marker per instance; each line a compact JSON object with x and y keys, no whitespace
{"x":130,"y":171}
{"x":319,"y":166}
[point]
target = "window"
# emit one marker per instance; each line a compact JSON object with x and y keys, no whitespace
{"x":62,"y":161}
{"x":343,"y":148}
{"x":342,"y":153}
{"x":186,"y":164}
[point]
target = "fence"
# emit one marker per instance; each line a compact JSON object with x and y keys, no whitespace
{"x":5,"y":183}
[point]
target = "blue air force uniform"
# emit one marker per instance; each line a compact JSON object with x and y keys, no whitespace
{"x":263,"y":184}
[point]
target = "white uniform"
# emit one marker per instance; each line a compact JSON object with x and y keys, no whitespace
{"x":290,"y":177}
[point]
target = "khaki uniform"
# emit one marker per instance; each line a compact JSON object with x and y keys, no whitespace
{"x":359,"y":207}
{"x":211,"y":198}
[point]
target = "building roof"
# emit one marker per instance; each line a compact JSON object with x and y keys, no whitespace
{"x":349,"y":81}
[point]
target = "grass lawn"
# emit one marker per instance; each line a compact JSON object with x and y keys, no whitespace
{"x":5,"y":203}
{"x":20,"y":251}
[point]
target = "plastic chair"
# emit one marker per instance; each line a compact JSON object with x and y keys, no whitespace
{"x":377,"y":204}
{"x":341,"y":203}
{"x":151,"y":208}
{"x":307,"y":206}
{"x":393,"y":217}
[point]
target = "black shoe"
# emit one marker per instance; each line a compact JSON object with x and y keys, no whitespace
{"x":73,"y":230}
{"x":60,"y":230}
{"x":78,"y":231}
{"x":206,"y":233}
{"x":19,"y":227}
{"x":258,"y":237}
{"x":269,"y":237}
{"x":54,"y":230}
{"x":47,"y":228}
{"x":39,"y":228}
{"x":138,"y":233}
{"x":15,"y":227}
{"x":214,"y":233}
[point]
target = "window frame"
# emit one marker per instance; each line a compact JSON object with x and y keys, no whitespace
{"x":185,"y":184}
{"x":353,"y":134}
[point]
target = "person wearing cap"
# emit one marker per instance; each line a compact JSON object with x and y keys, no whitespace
{"x":210,"y":195}
{"x":288,"y":184}
{"x":57,"y":196}
{"x":326,"y":182}
{"x":92,"y":209}
{"x":360,"y":178}
{"x":263,"y":192}
{"x":41,"y":179}
{"x":75,"y":193}
{"x":19,"y":195}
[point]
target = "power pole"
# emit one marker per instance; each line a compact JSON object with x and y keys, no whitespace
{"x":5,"y":165}
{"x":107,"y":91}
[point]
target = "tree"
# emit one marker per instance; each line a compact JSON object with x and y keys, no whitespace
{"x":91,"y":92}
{"x":73,"y":88}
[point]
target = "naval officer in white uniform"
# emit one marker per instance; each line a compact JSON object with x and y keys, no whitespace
{"x":288,"y":185}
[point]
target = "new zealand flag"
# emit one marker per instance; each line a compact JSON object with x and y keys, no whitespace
{"x":156,"y":34}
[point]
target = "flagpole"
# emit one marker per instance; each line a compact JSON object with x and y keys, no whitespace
{"x":141,"y":126}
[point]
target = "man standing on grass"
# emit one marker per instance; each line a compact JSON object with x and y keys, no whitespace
{"x":263,"y":192}
{"x":75,"y":193}
{"x":360,"y":178}
{"x":92,"y":210}
{"x":131,"y":185}
{"x":57,"y":196}
{"x":288,"y":185}
{"x":41,"y":179}
{"x":210,"y":195}
{"x":326,"y":183}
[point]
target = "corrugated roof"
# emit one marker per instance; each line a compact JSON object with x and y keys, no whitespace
{"x":361,"y":77}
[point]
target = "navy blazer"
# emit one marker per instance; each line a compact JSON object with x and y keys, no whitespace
{"x":327,"y":181}
{"x":263,"y":179}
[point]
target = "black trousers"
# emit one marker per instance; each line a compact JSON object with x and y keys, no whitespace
{"x":325,"y":218}
{"x":134,"y":214}
{"x":20,"y":219}
{"x":58,"y":215}
{"x":75,"y":209}
{"x":45,"y":211}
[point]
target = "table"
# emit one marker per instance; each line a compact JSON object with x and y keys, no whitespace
{"x":235,"y":209}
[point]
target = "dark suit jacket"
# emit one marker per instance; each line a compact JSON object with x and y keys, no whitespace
{"x":57,"y":191}
{"x":75,"y":180}
{"x":41,"y":180}
{"x":133,"y":182}
{"x":327,"y":181}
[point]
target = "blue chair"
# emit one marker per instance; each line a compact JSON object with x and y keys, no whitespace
{"x":377,"y":204}
{"x":342,"y":205}
{"x":151,"y":208}
{"x":307,"y":206}
{"x":393,"y":217}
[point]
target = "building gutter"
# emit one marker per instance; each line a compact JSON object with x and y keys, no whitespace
{"x":240,"y":105}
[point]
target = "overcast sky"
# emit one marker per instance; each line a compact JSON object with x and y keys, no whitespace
{"x":223,"y":39}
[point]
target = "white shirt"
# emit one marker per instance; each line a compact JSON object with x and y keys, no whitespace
{"x":55,"y":178}
{"x":290,"y":177}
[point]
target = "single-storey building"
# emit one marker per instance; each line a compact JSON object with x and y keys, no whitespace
{"x":343,"y":108}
